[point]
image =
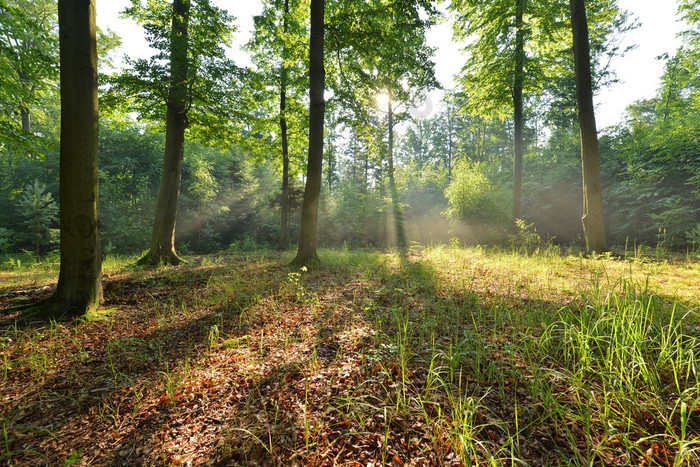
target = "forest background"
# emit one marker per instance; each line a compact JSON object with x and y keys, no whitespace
{"x":454,"y":164}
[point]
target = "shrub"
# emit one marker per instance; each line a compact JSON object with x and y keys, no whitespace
{"x":473,"y":197}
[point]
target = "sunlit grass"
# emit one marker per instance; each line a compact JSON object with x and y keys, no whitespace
{"x":549,"y":271}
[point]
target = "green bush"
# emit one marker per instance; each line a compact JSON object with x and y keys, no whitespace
{"x":473,"y":197}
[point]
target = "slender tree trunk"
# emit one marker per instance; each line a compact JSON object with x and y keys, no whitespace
{"x":331,"y":161}
{"x":395,"y":202}
{"x":163,"y":235}
{"x":518,"y":111}
{"x":365,"y":172}
{"x":449,"y":143}
{"x":420,"y":142}
{"x":308,"y":234}
{"x":284,"y":231}
{"x":79,"y":287}
{"x":38,"y":235}
{"x":593,"y":224}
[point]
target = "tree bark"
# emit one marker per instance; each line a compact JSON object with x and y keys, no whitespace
{"x":162,"y":250}
{"x":79,"y":288}
{"x":284,"y":231}
{"x":518,"y":111}
{"x":26,"y":117}
{"x":395,"y":202}
{"x":308,"y":234}
{"x":592,"y":220}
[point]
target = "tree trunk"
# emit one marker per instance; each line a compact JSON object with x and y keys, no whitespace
{"x":308,"y":234}
{"x":26,"y":118}
{"x":79,"y":288}
{"x":38,"y":234}
{"x":284,"y":231}
{"x":593,"y":224}
{"x":518,"y":111}
{"x":331,"y":163}
{"x":449,"y":142}
{"x":163,"y":235}
{"x":24,"y":112}
{"x":395,"y":202}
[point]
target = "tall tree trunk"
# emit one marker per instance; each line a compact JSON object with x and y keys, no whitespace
{"x":420,"y":142}
{"x":79,"y":288}
{"x":449,"y":142}
{"x":308,"y":234}
{"x":284,"y":231}
{"x":593,"y":224}
{"x":331,"y":162}
{"x":163,"y":235}
{"x":365,"y":172}
{"x":518,"y":110}
{"x":395,"y":202}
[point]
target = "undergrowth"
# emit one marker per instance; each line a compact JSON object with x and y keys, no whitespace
{"x":447,"y":356}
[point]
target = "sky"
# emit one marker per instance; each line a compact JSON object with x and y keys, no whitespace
{"x":638,"y":72}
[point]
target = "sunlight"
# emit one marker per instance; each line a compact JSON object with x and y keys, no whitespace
{"x":383,"y":101}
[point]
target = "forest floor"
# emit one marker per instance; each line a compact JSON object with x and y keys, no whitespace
{"x":447,"y":356}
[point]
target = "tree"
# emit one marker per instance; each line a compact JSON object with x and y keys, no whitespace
{"x":189,"y":84}
{"x":395,"y":202}
{"x":518,"y":79}
{"x":33,"y":49}
{"x":278,"y":52}
{"x":508,"y":58}
{"x":40,"y":210}
{"x":593,"y":223}
{"x":163,"y":236}
{"x":79,"y":288}
{"x":308,"y":234}
{"x":284,"y":224}
{"x":520,"y":50}
{"x":28,"y":61}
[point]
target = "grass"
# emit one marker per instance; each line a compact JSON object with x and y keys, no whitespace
{"x":450,"y":356}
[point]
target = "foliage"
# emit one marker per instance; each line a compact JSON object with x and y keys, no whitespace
{"x":378,"y":47}
{"x":489,"y":76}
{"x":472,"y":196}
{"x":226,"y":199}
{"x":212,"y":80}
{"x":29,"y":64}
{"x":281,"y":60}
{"x":130,"y":160}
{"x":5,"y":240}
{"x":354,"y":216}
